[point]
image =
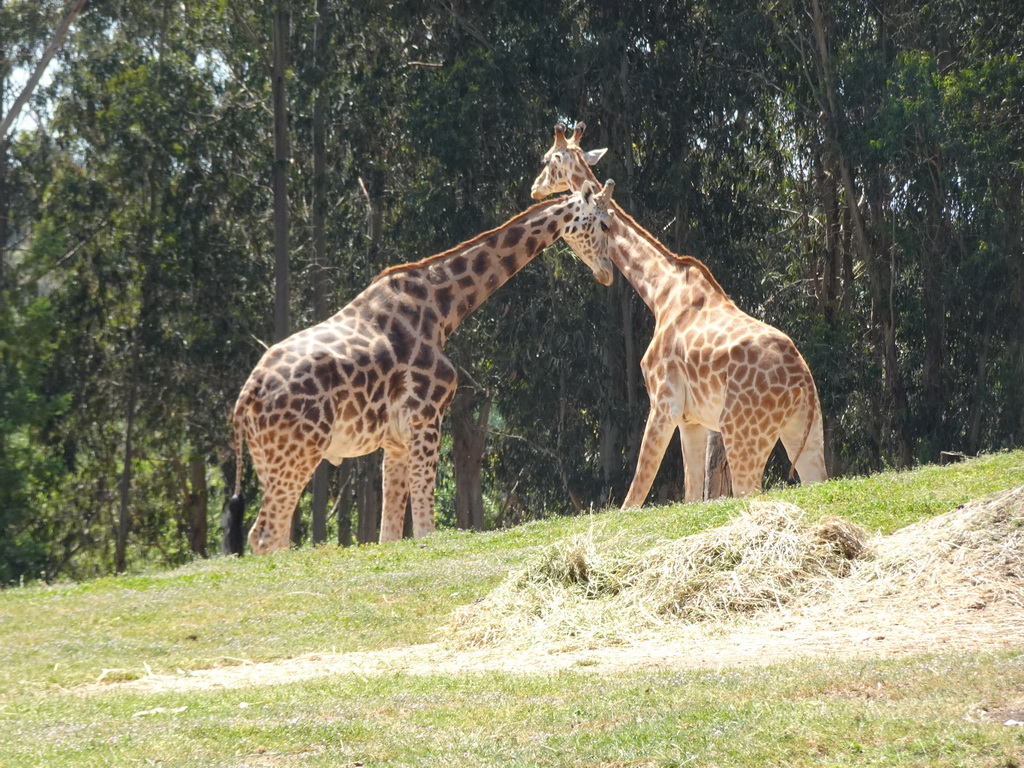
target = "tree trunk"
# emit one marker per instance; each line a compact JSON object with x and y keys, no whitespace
{"x":828,"y":291}
{"x":197,"y":506}
{"x":343,"y":504}
{"x":5,"y":212}
{"x":368,"y":497}
{"x":938,"y":243}
{"x":232,"y":525}
{"x":121,"y":545}
{"x":977,"y":402}
{"x":321,"y":309}
{"x":717,"y":480}
{"x":879,"y":271}
{"x":5,"y":204}
{"x":1015,"y":332}
{"x":469,"y":418}
{"x":282,"y":276}
{"x":318,"y":503}
{"x":282,"y":322}
{"x":610,"y":441}
{"x":30,"y":85}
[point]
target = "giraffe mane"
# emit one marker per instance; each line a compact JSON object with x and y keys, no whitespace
{"x":686,"y":261}
{"x":467,"y":244}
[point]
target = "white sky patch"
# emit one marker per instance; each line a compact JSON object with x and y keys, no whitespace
{"x":29,"y":118}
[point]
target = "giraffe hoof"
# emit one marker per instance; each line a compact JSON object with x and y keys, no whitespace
{"x":260,"y":541}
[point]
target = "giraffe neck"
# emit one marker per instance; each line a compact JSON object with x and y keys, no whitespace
{"x":647,"y":264}
{"x":653,"y":271}
{"x":452,"y":284}
{"x":662,"y":279}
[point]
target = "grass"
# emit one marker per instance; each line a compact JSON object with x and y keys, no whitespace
{"x":915,"y":711}
{"x":907,"y":713}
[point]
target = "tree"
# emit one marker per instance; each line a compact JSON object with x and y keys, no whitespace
{"x":850,"y":172}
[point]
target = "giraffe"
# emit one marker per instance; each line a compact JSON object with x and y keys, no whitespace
{"x":374,"y":375}
{"x":709,"y":364}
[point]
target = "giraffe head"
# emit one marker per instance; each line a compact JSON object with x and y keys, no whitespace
{"x":587,"y":232}
{"x":565,"y":164}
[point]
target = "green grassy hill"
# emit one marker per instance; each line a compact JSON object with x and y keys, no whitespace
{"x":918,"y":710}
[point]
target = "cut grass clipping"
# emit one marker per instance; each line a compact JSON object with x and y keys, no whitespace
{"x":583,"y":593}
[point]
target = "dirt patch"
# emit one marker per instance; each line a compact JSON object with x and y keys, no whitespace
{"x":1010,"y":715}
{"x":952,"y":583}
{"x":868,"y":634}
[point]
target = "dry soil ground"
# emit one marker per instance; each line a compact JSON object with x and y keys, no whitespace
{"x":947,"y":584}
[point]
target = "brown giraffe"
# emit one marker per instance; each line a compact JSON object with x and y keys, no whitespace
{"x":709,"y":365}
{"x":374,"y":376}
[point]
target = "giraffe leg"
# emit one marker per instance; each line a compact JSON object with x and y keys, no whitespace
{"x":694,"y":441}
{"x":272,"y":528}
{"x":422,"y":479}
{"x":283,"y":478}
{"x":747,"y":451}
{"x":396,"y":495}
{"x":657,"y":433}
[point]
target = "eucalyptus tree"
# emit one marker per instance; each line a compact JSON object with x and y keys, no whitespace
{"x":26,"y":318}
{"x":899,"y":121}
{"x":154,"y":221}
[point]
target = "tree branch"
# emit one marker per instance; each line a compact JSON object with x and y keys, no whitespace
{"x":33,"y":81}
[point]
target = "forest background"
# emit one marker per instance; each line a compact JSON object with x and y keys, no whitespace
{"x":851,"y":171}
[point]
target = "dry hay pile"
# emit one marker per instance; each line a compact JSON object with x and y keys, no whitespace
{"x":583,"y":593}
{"x":969,"y":557}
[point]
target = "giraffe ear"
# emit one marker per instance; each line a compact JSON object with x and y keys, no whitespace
{"x":587,"y":190}
{"x":594,"y":155}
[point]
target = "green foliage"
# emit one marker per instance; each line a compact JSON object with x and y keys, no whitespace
{"x":851,"y":174}
{"x":28,"y":470}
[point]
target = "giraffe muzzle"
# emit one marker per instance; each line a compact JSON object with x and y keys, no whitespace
{"x":604,"y":276}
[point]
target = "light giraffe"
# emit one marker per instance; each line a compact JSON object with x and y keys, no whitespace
{"x":374,"y":375}
{"x":709,"y":365}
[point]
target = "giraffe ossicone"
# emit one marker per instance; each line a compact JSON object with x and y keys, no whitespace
{"x":709,"y":364}
{"x":374,"y":375}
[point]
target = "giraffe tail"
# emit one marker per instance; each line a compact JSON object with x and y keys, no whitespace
{"x":810,"y":394}
{"x":236,"y":504}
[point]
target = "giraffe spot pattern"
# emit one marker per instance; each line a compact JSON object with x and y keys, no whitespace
{"x":510,"y":263}
{"x":416,"y":290}
{"x":428,"y":323}
{"x":401,"y":342}
{"x":424,"y":358}
{"x":512,"y":237}
{"x":382,"y":356}
{"x":443,"y":299}
{"x":444,"y":371}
